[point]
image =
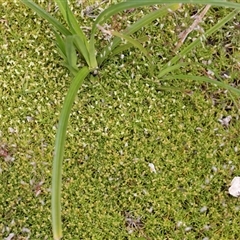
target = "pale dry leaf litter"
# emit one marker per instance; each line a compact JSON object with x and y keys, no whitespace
{"x":225,"y":121}
{"x":234,"y":190}
{"x":152,"y":168}
{"x":10,"y":236}
{"x":198,"y":19}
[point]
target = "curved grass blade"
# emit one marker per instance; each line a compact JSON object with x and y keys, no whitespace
{"x":233,"y":90}
{"x":71,"y":52}
{"x":76,"y":43}
{"x":106,"y":14}
{"x":65,"y":46}
{"x":79,"y":44}
{"x":86,"y":49}
{"x":92,"y":55}
{"x":59,"y":151}
{"x":134,"y":42}
{"x":60,"y":45}
{"x":209,"y":32}
{"x":71,"y":20}
{"x":42,"y":13}
{"x":171,"y":69}
{"x":234,"y":98}
{"x":126,"y":46}
{"x":135,"y":27}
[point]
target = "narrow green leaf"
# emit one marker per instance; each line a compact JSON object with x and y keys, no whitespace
{"x":234,"y":98}
{"x":79,"y":44}
{"x":65,"y":46}
{"x":126,"y":46}
{"x":86,"y":49}
{"x":71,"y":52}
{"x":171,"y":69}
{"x":209,"y":32}
{"x":72,"y":70}
{"x":60,"y":45}
{"x":136,"y":44}
{"x":92,"y":54}
{"x":133,"y":28}
{"x":70,"y":19}
{"x":59,"y":151}
{"x":114,"y":9}
{"x":42,"y":13}
{"x":205,"y":79}
{"x":171,"y":88}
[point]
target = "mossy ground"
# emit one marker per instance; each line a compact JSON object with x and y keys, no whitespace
{"x":121,"y":121}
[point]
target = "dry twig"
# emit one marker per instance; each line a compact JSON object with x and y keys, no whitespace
{"x":183,"y":35}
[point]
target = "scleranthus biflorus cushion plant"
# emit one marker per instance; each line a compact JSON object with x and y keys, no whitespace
{"x":77,"y":50}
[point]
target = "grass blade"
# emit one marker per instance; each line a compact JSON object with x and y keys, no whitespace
{"x":71,"y":20}
{"x":71,"y":54}
{"x":171,"y":69}
{"x":59,"y":151}
{"x":209,"y":32}
{"x":92,"y":54}
{"x":106,"y":14}
{"x":133,"y":28}
{"x":42,"y":13}
{"x":208,"y":80}
{"x":66,"y":49}
{"x":134,"y":42}
{"x":87,"y":50}
{"x":60,"y":45}
{"x":79,"y":44}
{"x":126,"y":46}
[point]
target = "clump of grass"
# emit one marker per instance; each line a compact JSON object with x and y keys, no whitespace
{"x":121,"y":133}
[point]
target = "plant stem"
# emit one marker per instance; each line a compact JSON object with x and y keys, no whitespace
{"x":59,"y":151}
